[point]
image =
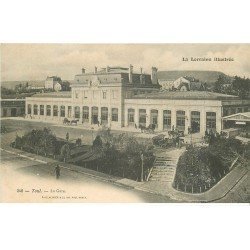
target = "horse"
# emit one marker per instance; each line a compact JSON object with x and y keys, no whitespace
{"x":66,"y":121}
{"x":74,"y":122}
{"x":142,"y":128}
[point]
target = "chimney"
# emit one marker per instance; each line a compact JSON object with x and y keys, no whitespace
{"x":130,"y":73}
{"x":141,"y":77}
{"x":154,"y":76}
{"x":95,"y":70}
{"x":107,"y":69}
{"x":83,"y":70}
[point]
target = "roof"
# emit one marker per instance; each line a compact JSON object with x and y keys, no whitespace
{"x":61,"y":94}
{"x":203,"y":76}
{"x":238,"y":117}
{"x":186,"y":95}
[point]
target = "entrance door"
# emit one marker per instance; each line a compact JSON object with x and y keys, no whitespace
{"x":94,"y":115}
{"x":195,"y":122}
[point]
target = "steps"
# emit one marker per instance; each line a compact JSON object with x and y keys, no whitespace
{"x":165,"y":166}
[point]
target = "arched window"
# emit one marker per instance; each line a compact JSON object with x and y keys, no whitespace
{"x":41,"y":109}
{"x":94,"y":111}
{"x":180,"y":120}
{"x":29,"y":109}
{"x":211,"y":120}
{"x":35,"y":109}
{"x":142,"y":117}
{"x":104,"y":115}
{"x":131,"y":117}
{"x":154,"y":117}
{"x":114,"y":114}
{"x":85,"y":116}
{"x":55,"y":110}
{"x":62,"y":111}
{"x":166,"y":119}
{"x":77,"y":112}
{"x":195,"y":121}
{"x":48,"y":110}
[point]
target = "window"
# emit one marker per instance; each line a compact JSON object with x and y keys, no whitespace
{"x":94,"y":117}
{"x":114,"y":94}
{"x":48,"y":110}
{"x":77,"y":112}
{"x":211,"y":120}
{"x":166,"y":119}
{"x":180,"y":120}
{"x":85,"y":116}
{"x":5,"y":112}
{"x":104,"y":95}
{"x":41,"y":109}
{"x":69,"y":111}
{"x":95,"y":94}
{"x":55,"y":110}
{"x":76,"y":95}
{"x":154,"y":117}
{"x":131,"y":116}
{"x":62,"y":111}
{"x":104,"y":115}
{"x":142,"y":117}
{"x":114,"y":114}
{"x":35,"y":109}
{"x":195,"y":121}
{"x":29,"y":109}
{"x":85,"y":93}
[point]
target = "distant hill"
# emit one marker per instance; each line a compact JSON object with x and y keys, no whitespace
{"x":209,"y":77}
{"x":12,"y":84}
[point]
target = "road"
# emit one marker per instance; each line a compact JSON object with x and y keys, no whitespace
{"x":26,"y":180}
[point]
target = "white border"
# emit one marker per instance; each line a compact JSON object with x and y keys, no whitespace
{"x":130,"y":226}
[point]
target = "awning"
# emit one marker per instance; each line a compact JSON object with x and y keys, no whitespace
{"x":239,"y":117}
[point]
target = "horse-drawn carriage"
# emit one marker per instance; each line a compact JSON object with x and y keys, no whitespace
{"x":66,"y":121}
{"x":162,"y":142}
{"x":149,"y":129}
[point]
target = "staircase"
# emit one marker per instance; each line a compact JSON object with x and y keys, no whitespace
{"x":165,"y":166}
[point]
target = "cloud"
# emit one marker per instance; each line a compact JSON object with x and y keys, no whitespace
{"x":36,"y":61}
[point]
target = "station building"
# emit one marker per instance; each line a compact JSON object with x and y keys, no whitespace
{"x":12,"y":107}
{"x":121,"y":98}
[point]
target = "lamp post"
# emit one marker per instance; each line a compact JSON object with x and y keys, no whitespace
{"x":142,"y":162}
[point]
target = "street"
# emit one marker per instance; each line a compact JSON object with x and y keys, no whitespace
{"x":25,"y":180}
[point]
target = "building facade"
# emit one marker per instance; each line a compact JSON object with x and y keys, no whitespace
{"x":53,"y":82}
{"x":119,"y":97}
{"x":12,"y":107}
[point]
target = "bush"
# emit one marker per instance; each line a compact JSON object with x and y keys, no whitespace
{"x":198,"y":169}
{"x":121,"y":155}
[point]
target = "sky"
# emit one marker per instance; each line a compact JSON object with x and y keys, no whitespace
{"x":37,"y":61}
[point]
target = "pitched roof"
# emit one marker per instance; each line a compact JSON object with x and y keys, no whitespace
{"x":203,"y":76}
{"x":238,"y":117}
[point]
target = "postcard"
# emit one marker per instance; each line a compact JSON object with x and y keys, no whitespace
{"x":150,"y":123}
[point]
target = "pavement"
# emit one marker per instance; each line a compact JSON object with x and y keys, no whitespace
{"x":162,"y":191}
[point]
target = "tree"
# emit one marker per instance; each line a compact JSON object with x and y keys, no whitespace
{"x":65,"y":152}
{"x":97,"y":143}
{"x":241,"y":86}
{"x":221,"y":83}
{"x":65,"y":86}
